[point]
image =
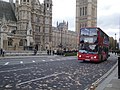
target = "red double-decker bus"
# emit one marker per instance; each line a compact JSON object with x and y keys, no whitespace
{"x":93,"y":44}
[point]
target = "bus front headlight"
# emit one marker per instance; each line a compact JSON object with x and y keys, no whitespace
{"x":80,"y":56}
{"x":95,"y":57}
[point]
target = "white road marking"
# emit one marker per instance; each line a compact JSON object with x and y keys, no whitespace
{"x":48,"y":76}
{"x":43,"y":60}
{"x":21,"y":62}
{"x":6,"y":63}
{"x":33,"y":61}
{"x":51,"y":60}
{"x":58,"y":59}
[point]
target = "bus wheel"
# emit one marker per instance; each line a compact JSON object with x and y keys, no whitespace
{"x":100,"y":58}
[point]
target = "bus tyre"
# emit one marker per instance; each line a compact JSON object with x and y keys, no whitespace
{"x":100,"y":58}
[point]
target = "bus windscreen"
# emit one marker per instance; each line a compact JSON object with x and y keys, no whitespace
{"x":88,"y":31}
{"x":88,"y":40}
{"x":93,"y":44}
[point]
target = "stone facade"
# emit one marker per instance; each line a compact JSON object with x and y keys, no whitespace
{"x":63,"y":38}
{"x":112,"y":43}
{"x":86,"y":14}
{"x":25,"y":24}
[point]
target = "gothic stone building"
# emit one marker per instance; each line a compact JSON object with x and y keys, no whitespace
{"x":25,"y":24}
{"x":63,"y":38}
{"x":86,"y":14}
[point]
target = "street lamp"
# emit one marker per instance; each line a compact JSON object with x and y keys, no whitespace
{"x":115,"y":41}
{"x":61,"y":41}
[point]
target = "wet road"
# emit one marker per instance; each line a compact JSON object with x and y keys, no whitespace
{"x":51,"y":73}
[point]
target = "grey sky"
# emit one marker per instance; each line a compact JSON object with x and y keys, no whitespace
{"x":109,"y":16}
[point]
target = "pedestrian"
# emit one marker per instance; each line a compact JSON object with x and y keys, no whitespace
{"x":35,"y":51}
{"x":53,"y":52}
{"x":115,"y":52}
{"x":50,"y":51}
{"x":1,"y":52}
{"x":47,"y":52}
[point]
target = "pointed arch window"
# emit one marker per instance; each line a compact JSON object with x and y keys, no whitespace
{"x":10,"y":42}
{"x":30,"y":32}
{"x":21,"y":43}
{"x":50,"y":6}
{"x":85,"y":10}
{"x":47,"y":5}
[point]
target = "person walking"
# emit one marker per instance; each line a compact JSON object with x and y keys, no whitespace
{"x":47,"y":52}
{"x":35,"y":51}
{"x":50,"y":52}
{"x":1,"y":52}
{"x":53,"y":52}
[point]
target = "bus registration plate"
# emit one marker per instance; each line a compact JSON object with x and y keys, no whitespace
{"x":87,"y":59}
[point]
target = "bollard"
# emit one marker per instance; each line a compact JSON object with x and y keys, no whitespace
{"x":92,"y":87}
{"x":119,"y":67}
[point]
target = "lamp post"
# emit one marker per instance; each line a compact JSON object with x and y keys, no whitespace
{"x":61,"y":41}
{"x":115,"y":41}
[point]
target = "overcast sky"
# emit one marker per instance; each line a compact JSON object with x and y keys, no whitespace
{"x":108,"y":14}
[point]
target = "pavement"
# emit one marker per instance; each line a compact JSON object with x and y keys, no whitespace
{"x":110,"y":80}
{"x":27,"y":54}
{"x":21,"y":53}
{"x":24,"y":53}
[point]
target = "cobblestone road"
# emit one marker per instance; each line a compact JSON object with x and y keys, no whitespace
{"x":66,"y":74}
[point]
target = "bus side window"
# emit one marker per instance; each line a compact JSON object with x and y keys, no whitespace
{"x":96,"y":41}
{"x":82,"y":41}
